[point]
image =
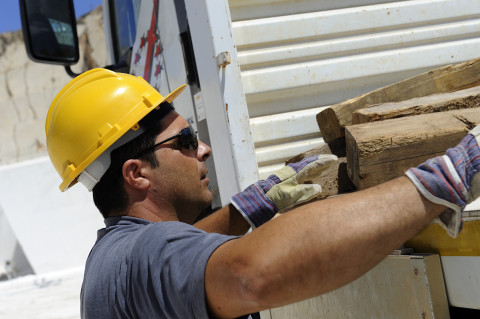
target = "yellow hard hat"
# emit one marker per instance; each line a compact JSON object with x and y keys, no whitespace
{"x":91,"y":113}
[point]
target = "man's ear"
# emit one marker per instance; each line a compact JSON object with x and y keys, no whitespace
{"x":132,"y":174}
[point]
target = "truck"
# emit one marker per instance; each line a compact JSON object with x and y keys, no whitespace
{"x":258,"y":73}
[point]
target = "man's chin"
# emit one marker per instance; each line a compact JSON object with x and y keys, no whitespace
{"x":207,"y":204}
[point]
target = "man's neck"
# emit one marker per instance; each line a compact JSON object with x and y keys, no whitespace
{"x":155,"y":212}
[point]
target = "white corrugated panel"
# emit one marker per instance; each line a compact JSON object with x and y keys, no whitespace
{"x":299,"y":56}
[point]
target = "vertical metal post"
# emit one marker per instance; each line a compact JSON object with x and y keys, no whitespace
{"x":224,"y":101}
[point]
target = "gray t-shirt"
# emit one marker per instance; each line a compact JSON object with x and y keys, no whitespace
{"x":141,"y":269}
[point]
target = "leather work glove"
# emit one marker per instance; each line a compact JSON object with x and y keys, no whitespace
{"x":451,"y":180}
{"x":259,"y":202}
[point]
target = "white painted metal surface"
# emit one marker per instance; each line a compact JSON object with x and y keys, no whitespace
{"x":173,"y":56}
{"x":256,"y":9}
{"x":462,"y":279}
{"x":108,"y":36}
{"x":55,"y":230}
{"x":303,"y":55}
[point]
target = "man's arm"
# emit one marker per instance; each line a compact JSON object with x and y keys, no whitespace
{"x":314,"y":248}
{"x":227,"y":221}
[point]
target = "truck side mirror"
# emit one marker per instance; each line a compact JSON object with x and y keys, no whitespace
{"x":50,"y":31}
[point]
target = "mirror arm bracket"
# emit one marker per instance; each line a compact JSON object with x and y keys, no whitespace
{"x":122,"y":66}
{"x":70,"y":72}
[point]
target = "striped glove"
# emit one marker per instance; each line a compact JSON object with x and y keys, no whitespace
{"x":451,"y":180}
{"x":259,"y":202}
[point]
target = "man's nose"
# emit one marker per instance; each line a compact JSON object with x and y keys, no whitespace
{"x":204,"y":151}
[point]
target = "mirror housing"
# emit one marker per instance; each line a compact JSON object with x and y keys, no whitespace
{"x":50,"y":31}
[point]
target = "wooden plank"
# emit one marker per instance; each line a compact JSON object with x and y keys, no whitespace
{"x":332,"y":121}
{"x":463,"y":99}
{"x":380,"y":151}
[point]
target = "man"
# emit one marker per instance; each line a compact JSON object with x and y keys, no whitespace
{"x":120,"y":138}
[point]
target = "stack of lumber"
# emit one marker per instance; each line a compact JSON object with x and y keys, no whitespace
{"x":380,"y":134}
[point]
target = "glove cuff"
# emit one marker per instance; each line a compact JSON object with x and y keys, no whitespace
{"x":254,"y":205}
{"x":430,"y":185}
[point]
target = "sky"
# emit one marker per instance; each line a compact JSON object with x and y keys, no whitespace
{"x":10,"y":12}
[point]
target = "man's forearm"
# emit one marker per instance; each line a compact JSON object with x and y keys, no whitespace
{"x":227,"y":221}
{"x":315,"y":248}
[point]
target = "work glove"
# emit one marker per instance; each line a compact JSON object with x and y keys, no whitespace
{"x":451,"y":180}
{"x":259,"y":202}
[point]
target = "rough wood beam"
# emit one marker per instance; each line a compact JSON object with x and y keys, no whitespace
{"x":380,"y":151}
{"x":332,"y":121}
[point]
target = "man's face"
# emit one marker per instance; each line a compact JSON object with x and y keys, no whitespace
{"x":180,"y":179}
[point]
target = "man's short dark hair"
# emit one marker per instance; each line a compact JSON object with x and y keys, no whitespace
{"x":109,"y":194}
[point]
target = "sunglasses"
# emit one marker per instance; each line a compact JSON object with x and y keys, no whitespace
{"x":187,"y":138}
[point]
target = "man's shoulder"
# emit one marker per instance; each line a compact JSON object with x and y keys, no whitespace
{"x":149,"y":259}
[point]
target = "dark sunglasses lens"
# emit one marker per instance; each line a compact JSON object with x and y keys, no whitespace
{"x":189,"y":139}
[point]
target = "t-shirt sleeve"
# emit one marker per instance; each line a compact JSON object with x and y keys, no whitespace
{"x":168,"y":269}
